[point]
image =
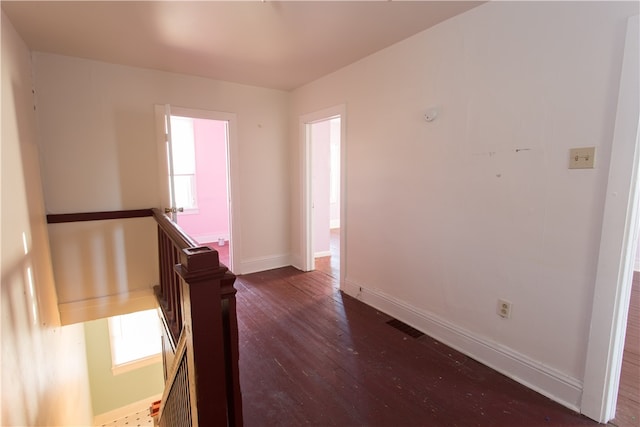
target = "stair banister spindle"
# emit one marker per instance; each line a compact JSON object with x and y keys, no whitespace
{"x":197,"y":301}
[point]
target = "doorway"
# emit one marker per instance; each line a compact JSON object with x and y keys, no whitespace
{"x":325,"y":171}
{"x":323,"y":150}
{"x":197,"y":179}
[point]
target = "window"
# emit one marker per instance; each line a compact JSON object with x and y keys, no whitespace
{"x":135,"y":340}
{"x":184,"y":162}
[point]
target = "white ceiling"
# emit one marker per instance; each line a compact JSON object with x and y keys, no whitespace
{"x":274,"y":44}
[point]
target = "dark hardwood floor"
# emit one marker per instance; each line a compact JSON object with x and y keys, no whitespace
{"x":331,"y":264}
{"x":311,"y":355}
{"x":628,"y":408}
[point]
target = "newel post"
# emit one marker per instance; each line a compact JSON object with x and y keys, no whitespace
{"x":209,"y":316}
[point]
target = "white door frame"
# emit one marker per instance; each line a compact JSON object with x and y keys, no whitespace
{"x":306,"y":244}
{"x":232,"y":156}
{"x":617,"y":246}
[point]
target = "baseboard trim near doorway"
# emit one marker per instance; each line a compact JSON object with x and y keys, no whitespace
{"x":543,"y":379}
{"x":254,"y":265}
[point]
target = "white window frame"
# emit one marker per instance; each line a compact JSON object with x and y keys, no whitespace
{"x":184,"y":161}
{"x":135,"y":334}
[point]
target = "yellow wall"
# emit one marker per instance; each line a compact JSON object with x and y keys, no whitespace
{"x":108,"y":391}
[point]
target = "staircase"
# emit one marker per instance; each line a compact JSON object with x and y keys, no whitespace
{"x":197,"y":306}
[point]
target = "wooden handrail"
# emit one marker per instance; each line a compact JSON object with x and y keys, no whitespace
{"x":197,"y":301}
{"x":197,"y":304}
{"x":97,"y":216}
{"x":173,"y":230}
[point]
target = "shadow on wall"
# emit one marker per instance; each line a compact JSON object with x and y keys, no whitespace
{"x":98,"y":260}
{"x":20,"y":323}
{"x":42,"y":364}
{"x":137,"y":160}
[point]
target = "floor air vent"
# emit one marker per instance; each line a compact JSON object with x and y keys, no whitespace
{"x":403,"y":327}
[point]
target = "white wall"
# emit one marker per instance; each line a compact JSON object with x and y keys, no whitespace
{"x":636,"y":265}
{"x":98,"y":148}
{"x":479,"y":204}
{"x":334,"y":205}
{"x":44,"y":369}
{"x":104,"y":268}
{"x":320,"y":155}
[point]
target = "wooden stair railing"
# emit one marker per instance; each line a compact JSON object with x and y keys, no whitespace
{"x":200,"y":346}
{"x":198,"y":311}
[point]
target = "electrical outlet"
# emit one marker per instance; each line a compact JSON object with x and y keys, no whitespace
{"x":504,"y":308}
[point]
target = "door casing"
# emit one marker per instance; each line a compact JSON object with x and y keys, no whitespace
{"x":306,"y":161}
{"x":231,"y":119}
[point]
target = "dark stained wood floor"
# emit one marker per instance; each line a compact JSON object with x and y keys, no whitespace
{"x":628,"y":408}
{"x":310,"y":355}
{"x":331,"y":264}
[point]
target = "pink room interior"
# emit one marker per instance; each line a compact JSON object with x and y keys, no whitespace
{"x":209,"y":221}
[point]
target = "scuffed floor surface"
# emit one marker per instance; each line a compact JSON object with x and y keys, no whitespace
{"x":310,"y":355}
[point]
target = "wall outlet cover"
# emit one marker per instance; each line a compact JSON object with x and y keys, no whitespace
{"x":582,"y":158}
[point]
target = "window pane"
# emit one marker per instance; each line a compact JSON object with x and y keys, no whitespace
{"x":134,"y":336}
{"x":183,"y":145}
{"x":185,"y":188}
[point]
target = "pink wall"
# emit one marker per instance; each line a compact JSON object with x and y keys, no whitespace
{"x":211,"y":220}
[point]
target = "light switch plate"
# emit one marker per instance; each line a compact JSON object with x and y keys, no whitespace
{"x":582,"y":158}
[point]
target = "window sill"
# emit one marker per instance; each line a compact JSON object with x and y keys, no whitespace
{"x":136,"y":364}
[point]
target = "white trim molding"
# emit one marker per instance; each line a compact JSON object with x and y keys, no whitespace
{"x":305,"y":261}
{"x":545,"y":380}
{"x":212,"y":238}
{"x":122,"y":412}
{"x":254,"y":265}
{"x":617,"y":245}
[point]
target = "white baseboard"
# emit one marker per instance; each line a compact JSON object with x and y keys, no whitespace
{"x":122,"y":412}
{"x":211,"y":238}
{"x":296,"y":262}
{"x":334,"y":223}
{"x":261,"y":264}
{"x":322,"y":254}
{"x":547,"y":381}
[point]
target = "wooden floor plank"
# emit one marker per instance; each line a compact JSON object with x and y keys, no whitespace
{"x":310,"y":355}
{"x":628,"y":407}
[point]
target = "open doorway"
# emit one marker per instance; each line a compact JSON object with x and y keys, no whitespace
{"x":196,"y":152}
{"x":323,"y":242}
{"x":201,"y":181}
{"x":325,"y":171}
